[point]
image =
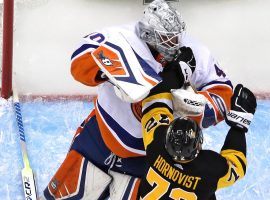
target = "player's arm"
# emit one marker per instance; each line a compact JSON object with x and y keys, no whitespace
{"x":157,"y":107}
{"x":205,"y":107}
{"x":218,"y":97}
{"x":83,"y":67}
{"x":211,"y":88}
{"x":234,"y":148}
{"x":157,"y":111}
{"x":217,"y":88}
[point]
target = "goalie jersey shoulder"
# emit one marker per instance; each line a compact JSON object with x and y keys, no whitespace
{"x":114,"y":38}
{"x":208,"y":70}
{"x":119,"y":52}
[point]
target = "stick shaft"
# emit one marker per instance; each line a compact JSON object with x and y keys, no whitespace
{"x":29,"y":185}
{"x":18,"y":112}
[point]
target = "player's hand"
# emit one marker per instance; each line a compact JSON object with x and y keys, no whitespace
{"x":187,"y":56}
{"x":186,"y":62}
{"x":172,"y":75}
{"x":243,"y":107}
{"x":101,"y":76}
{"x":172,"y":78}
{"x":177,"y":73}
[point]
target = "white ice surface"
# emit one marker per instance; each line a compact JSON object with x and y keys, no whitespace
{"x":49,"y":128}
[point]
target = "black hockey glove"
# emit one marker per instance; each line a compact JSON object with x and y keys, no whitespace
{"x":187,"y":56}
{"x":172,"y":78}
{"x":101,"y":77}
{"x":176,"y":73}
{"x":243,"y":107}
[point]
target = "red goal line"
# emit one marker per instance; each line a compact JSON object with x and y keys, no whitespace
{"x":27,"y":98}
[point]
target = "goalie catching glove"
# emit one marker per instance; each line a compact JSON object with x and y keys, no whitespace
{"x":186,"y":102}
{"x":243,"y":107}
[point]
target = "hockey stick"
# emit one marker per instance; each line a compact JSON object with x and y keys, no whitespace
{"x":28,"y":179}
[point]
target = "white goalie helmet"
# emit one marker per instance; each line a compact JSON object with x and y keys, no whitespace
{"x":162,"y":27}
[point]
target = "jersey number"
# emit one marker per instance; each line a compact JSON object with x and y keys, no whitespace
{"x":219,"y":72}
{"x":164,"y":119}
{"x":233,"y":174}
{"x":162,"y":186}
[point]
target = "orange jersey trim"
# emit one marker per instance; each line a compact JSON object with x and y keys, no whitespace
{"x":224,"y":92}
{"x":65,"y":181}
{"x":135,"y":190}
{"x":111,"y":142}
{"x":84,"y":69}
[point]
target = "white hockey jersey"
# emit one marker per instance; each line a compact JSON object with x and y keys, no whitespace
{"x":119,"y":121}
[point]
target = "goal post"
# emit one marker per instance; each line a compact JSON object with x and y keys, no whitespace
{"x":45,"y":34}
{"x":7,"y":48}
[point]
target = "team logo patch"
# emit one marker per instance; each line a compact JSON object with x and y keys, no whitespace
{"x":110,"y":61}
{"x":106,"y":61}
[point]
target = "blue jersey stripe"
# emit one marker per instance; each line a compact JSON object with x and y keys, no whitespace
{"x":128,"y":189}
{"x":147,"y":68}
{"x":125,"y":137}
{"x":209,"y":117}
{"x":83,"y":48}
{"x":130,"y":78}
{"x":229,"y":83}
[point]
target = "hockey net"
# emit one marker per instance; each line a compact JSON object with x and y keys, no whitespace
{"x":9,"y":43}
{"x":70,"y":31}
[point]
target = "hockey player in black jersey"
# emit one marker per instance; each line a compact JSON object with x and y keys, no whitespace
{"x":177,"y":167}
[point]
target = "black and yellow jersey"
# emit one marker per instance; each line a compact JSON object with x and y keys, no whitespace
{"x":195,"y":180}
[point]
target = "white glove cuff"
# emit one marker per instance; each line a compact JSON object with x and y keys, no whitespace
{"x":186,"y":71}
{"x":241,"y":119}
